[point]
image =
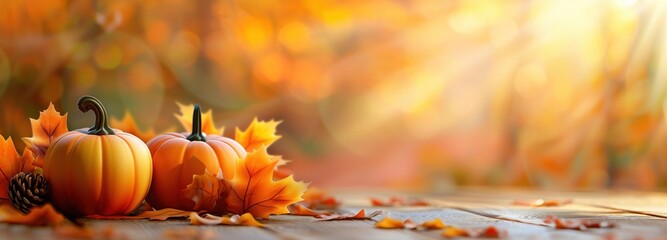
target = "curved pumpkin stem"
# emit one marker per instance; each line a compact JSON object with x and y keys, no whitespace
{"x":101,"y":122}
{"x":196,"y":134}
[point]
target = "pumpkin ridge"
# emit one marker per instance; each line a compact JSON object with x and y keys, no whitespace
{"x":122,"y":136}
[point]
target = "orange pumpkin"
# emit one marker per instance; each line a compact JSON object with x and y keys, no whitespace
{"x":99,"y":170}
{"x":179,"y":156}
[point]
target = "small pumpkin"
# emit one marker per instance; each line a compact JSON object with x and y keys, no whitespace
{"x":97,"y":171}
{"x":179,"y":156}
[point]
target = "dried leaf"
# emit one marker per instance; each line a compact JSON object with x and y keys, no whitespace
{"x":300,"y":210}
{"x":259,"y":133}
{"x":390,"y":223}
{"x":351,"y":216}
{"x":316,"y":198}
{"x":158,"y":215}
{"x":48,"y":127}
{"x":581,"y":225}
{"x":208,"y":192}
{"x":129,"y":125}
{"x":208,"y":126}
{"x":11,"y":164}
{"x":398,"y":202}
{"x":244,"y":220}
{"x":254,"y":190}
{"x":487,"y":232}
{"x":542,"y":202}
{"x":38,"y":216}
{"x":452,"y":232}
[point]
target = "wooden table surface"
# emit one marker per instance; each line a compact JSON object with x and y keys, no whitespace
{"x":638,"y":215}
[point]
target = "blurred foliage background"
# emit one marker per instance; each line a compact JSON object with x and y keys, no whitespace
{"x":402,"y":93}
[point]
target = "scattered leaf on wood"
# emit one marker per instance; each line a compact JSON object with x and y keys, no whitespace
{"x":253,"y":189}
{"x":129,"y":125}
{"x":38,"y":216}
{"x":487,"y":232}
{"x":11,"y":164}
{"x":207,"y":124}
{"x":189,"y":233}
{"x":390,"y":223}
{"x":316,"y":198}
{"x":576,"y":224}
{"x":258,"y":133}
{"x":351,"y":216}
{"x":542,"y":202}
{"x":243,"y":220}
{"x":208,"y":192}
{"x":300,"y":210}
{"x":158,"y":215}
{"x":49,"y":126}
{"x":398,"y":202}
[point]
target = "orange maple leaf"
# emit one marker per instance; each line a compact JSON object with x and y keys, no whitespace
{"x":258,"y":133}
{"x":129,"y":125}
{"x":48,"y":127}
{"x":185,"y":117}
{"x":11,"y":164}
{"x":38,"y":216}
{"x":243,"y":220}
{"x":253,"y":189}
{"x":208,"y":191}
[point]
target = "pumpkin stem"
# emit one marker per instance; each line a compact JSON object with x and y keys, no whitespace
{"x":196,"y":134}
{"x":101,"y":123}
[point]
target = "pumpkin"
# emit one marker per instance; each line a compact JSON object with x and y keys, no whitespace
{"x":97,"y":171}
{"x":179,"y":156}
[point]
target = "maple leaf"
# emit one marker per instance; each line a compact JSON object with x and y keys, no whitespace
{"x":258,"y":133}
{"x":38,"y":216}
{"x":317,"y":198}
{"x":208,"y":191}
{"x":575,"y":224}
{"x":129,"y":125}
{"x":11,"y":164}
{"x":253,"y":189}
{"x":157,"y":215}
{"x":48,"y":127}
{"x":390,"y":223}
{"x":207,"y":124}
{"x":243,"y":220}
{"x":350,"y":216}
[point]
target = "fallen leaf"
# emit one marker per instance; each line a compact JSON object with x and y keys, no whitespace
{"x":398,"y":202}
{"x":157,"y":215}
{"x":243,"y":220}
{"x":207,"y":124}
{"x":490,"y":232}
{"x":300,"y":210}
{"x":390,"y":223}
{"x":129,"y":125}
{"x":452,"y":232}
{"x":258,"y":133}
{"x":542,"y":202}
{"x":253,"y":189}
{"x":11,"y":164}
{"x":38,"y":216}
{"x":48,"y":127}
{"x":351,"y":216}
{"x":208,"y":192}
{"x":576,"y":224}
{"x":279,"y":172}
{"x":316,"y":198}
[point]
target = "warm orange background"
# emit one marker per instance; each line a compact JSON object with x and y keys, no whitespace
{"x":415,"y":93}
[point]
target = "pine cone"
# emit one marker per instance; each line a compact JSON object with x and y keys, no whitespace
{"x":27,"y":190}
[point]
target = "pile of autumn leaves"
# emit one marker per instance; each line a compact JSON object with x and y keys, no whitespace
{"x":260,"y":187}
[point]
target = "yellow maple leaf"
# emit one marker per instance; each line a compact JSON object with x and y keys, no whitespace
{"x":11,"y":164}
{"x":48,"y":127}
{"x":208,"y":191}
{"x":207,"y":124}
{"x":129,"y":125}
{"x":258,"y":133}
{"x":254,"y":191}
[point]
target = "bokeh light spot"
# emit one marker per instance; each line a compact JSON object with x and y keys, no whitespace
{"x":108,"y":55}
{"x":295,"y":36}
{"x":530,"y":80}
